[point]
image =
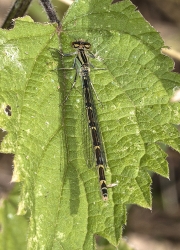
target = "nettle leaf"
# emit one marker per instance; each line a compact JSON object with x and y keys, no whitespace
{"x":45,"y":130}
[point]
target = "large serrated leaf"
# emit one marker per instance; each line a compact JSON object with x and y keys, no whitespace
{"x":45,"y":130}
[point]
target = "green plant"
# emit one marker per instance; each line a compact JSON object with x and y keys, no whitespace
{"x":46,"y":134}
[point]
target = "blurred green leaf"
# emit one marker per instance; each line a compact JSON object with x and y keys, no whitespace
{"x":13,"y":227}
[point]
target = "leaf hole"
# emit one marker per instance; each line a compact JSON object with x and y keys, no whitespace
{"x":7,"y":110}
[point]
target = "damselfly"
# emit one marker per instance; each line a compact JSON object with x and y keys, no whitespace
{"x":82,"y":66}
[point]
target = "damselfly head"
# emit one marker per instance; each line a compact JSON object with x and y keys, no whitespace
{"x":81,"y":45}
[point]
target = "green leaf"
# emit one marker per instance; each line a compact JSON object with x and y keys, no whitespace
{"x":103,"y":244}
{"x":45,"y":129}
{"x":13,"y":227}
